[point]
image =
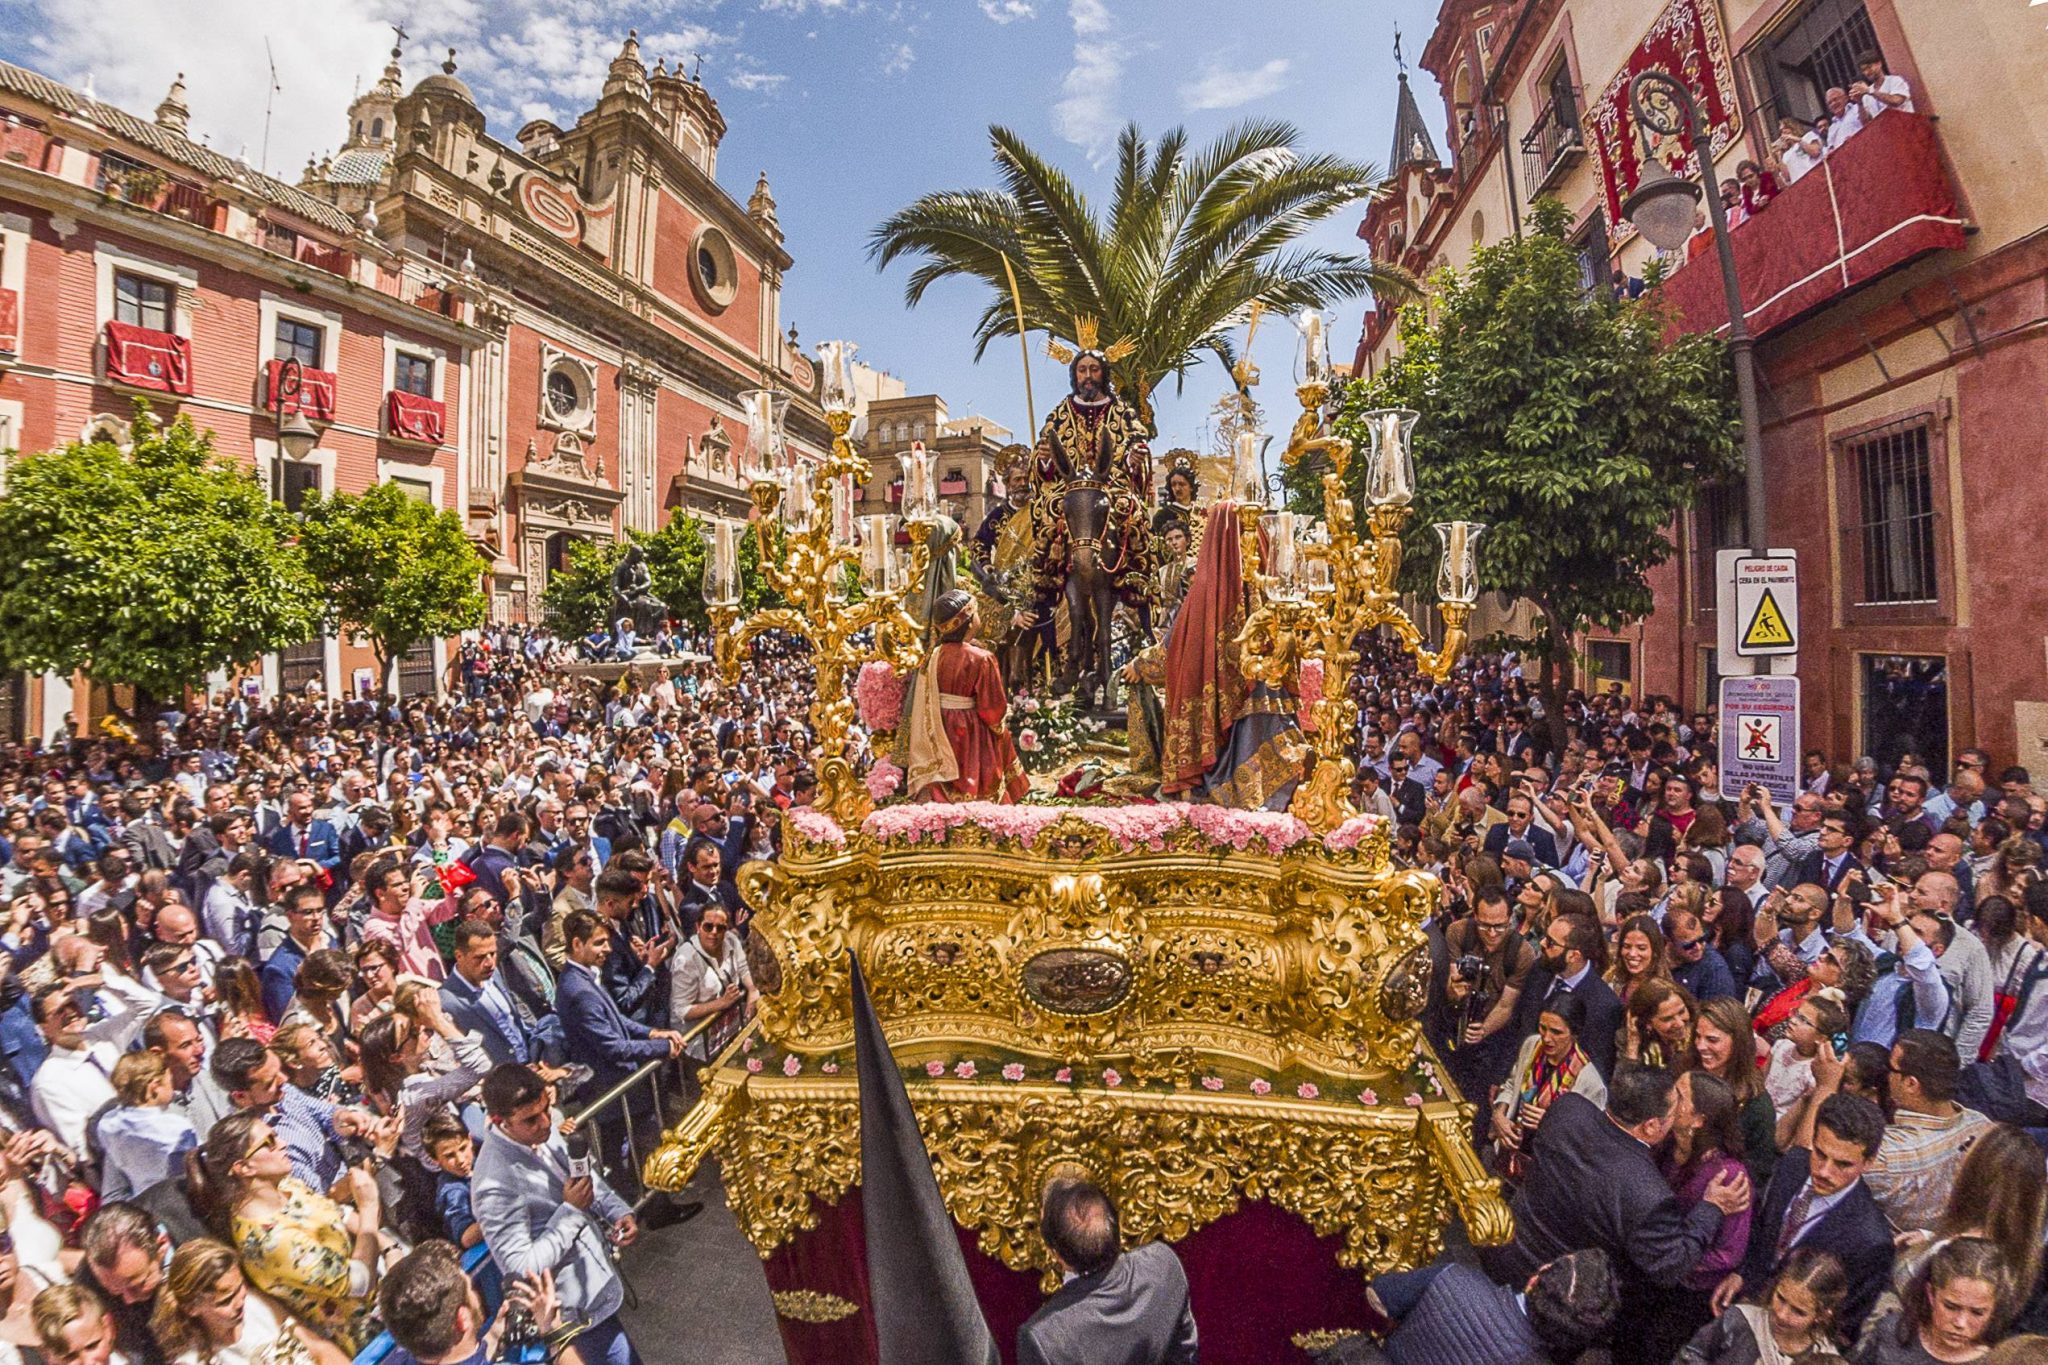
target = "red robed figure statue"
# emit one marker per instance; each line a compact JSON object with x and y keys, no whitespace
{"x":960,"y":747}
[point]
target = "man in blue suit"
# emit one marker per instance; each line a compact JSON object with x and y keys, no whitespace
{"x":478,"y":1002}
{"x":598,"y":1034}
{"x":301,"y":836}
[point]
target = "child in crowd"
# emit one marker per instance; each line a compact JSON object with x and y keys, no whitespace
{"x":1796,"y":1321}
{"x":451,"y":1148}
{"x":1821,"y":1015}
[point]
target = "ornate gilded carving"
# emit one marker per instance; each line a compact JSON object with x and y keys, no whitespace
{"x":811,"y":1305}
{"x":1322,"y":1339}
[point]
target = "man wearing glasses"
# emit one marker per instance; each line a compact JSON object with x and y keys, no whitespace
{"x":1480,"y":1004}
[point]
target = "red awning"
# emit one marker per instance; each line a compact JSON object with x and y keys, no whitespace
{"x":1877,"y":201}
{"x":315,"y":397}
{"x":410,"y":417}
{"x":145,"y":359}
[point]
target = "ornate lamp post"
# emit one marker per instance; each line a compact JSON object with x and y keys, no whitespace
{"x":295,"y":435}
{"x":1662,"y":210}
{"x":1318,"y":584}
{"x":822,"y":542}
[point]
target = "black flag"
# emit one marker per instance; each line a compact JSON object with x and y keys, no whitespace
{"x":918,"y":1289}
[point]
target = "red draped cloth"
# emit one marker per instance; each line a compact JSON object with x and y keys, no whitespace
{"x":1205,"y":690}
{"x":980,"y":736}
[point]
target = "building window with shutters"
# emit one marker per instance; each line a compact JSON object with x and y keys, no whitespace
{"x":1816,"y":49}
{"x":1892,"y":482}
{"x":413,"y":374}
{"x":300,"y":341}
{"x":140,"y":301}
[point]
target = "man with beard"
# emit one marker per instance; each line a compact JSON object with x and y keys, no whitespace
{"x":1566,"y":967}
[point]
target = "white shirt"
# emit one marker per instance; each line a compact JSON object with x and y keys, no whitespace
{"x":70,"y":1087}
{"x":1846,"y":126}
{"x":1801,"y":157}
{"x":1892,"y":84}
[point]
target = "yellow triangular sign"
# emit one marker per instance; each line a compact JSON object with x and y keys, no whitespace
{"x":1767,"y":627}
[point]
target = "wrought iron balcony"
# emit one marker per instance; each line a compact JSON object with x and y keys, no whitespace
{"x":1552,"y":146}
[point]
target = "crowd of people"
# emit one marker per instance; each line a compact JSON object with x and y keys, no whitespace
{"x":294,"y":995}
{"x":1764,"y":1079}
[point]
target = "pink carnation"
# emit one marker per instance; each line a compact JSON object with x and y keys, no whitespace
{"x":791,"y":1065}
{"x":1353,"y":832}
{"x":1261,"y":1086}
{"x":965,"y":1071}
{"x":879,"y":694}
{"x":1311,"y":693}
{"x":935,"y":1069}
{"x":1368,"y":1097}
{"x":1110,"y":1078}
{"x":813,"y":826}
{"x":754,"y":1066}
{"x":1412,"y":1101}
{"x":1064,"y":1075}
{"x":1014,"y":1071}
{"x":1307,"y":1090}
{"x":883,"y":779}
{"x":830,"y":1068}
{"x":747,"y":1046}
{"x":1212,"y":1082}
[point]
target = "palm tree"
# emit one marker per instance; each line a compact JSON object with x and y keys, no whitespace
{"x":1191,"y":241}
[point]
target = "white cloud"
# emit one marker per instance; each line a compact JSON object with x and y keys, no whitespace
{"x":742,"y":73}
{"x":801,"y":6}
{"x":1219,"y":87}
{"x":1009,"y":11}
{"x":524,"y":59}
{"x":900,"y":60}
{"x":1086,"y":113}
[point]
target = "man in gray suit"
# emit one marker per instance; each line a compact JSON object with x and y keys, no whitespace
{"x":1116,"y":1308}
{"x":537,"y":1215}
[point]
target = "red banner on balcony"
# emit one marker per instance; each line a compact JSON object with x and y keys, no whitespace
{"x":315,"y":397}
{"x":10,"y":322}
{"x":1686,"y":42}
{"x":952,"y":488}
{"x":145,"y":359}
{"x":1878,"y":200}
{"x":410,"y":417}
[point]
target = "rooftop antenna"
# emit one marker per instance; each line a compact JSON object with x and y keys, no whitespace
{"x":269,"y":97}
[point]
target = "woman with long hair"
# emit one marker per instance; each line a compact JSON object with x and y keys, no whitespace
{"x":316,"y":1257}
{"x":1639,"y":956}
{"x":395,"y":1070}
{"x":1706,"y":1143}
{"x":1796,"y":1323}
{"x":1951,"y":1312}
{"x":1551,"y":1063}
{"x":206,"y":1314}
{"x":1724,"y":1046}
{"x":2012,"y":954}
{"x":2014,"y":864}
{"x":1730,"y":921}
{"x":240,"y":996}
{"x":1657,"y":1030}
{"x":2001,"y":1195}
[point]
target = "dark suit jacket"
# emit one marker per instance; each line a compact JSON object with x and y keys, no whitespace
{"x":597,"y":1035}
{"x":1604,"y":1014}
{"x":1593,"y":1185}
{"x":1134,"y":1313}
{"x":1539,"y":839}
{"x":1411,"y":801}
{"x":150,"y":846}
{"x":465,"y":1006}
{"x":1814,"y":870}
{"x":1854,"y":1230}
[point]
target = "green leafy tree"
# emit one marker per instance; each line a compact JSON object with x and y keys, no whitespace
{"x":1561,"y":419}
{"x":397,"y":570}
{"x":1191,"y":240}
{"x":578,"y":597}
{"x":153,"y":567}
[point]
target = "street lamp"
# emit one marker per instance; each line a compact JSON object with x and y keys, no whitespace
{"x":1662,"y":210}
{"x":295,"y":435}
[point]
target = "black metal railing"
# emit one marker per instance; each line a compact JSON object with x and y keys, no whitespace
{"x":1554,"y":143}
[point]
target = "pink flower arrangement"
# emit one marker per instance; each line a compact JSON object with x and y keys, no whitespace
{"x":791,"y":1065}
{"x":1311,"y":692}
{"x":1261,"y":1086}
{"x":1348,"y":836}
{"x":753,"y":1066}
{"x":879,"y":694}
{"x":830,"y":1068}
{"x":1412,"y":1101}
{"x":1212,"y":1082}
{"x":965,"y":1071}
{"x":1307,"y":1090}
{"x":934,"y":1069}
{"x":1278,"y":830}
{"x":813,"y":826}
{"x":1130,"y":827}
{"x":1014,"y":1071}
{"x":1368,"y":1097}
{"x":883,"y":779}
{"x":1065,"y":1075}
{"x":1110,"y":1078}
{"x":1027,"y":740}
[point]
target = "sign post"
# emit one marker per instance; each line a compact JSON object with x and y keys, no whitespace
{"x":1759,"y":730}
{"x":1756,"y":610}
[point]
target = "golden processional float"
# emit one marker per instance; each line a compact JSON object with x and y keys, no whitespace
{"x":1212,"y":1013}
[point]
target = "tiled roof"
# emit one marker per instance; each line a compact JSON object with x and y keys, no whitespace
{"x":173,"y":147}
{"x":359,"y":166}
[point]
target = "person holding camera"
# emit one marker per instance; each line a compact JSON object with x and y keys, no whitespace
{"x":1488,"y":964}
{"x":432,"y":1310}
{"x":545,"y":1211}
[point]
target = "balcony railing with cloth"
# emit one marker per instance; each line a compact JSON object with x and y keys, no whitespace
{"x":1876,"y":202}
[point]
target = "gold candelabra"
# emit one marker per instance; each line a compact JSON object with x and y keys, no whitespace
{"x":1318,"y":584}
{"x":818,"y":551}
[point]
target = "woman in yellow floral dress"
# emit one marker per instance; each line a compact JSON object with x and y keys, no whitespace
{"x":311,"y":1254}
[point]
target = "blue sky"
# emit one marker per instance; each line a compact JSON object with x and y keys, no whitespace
{"x":853,"y":107}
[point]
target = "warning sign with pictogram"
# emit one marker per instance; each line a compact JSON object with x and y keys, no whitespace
{"x":1767,"y":625}
{"x":1759,"y":737}
{"x":1766,"y":605}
